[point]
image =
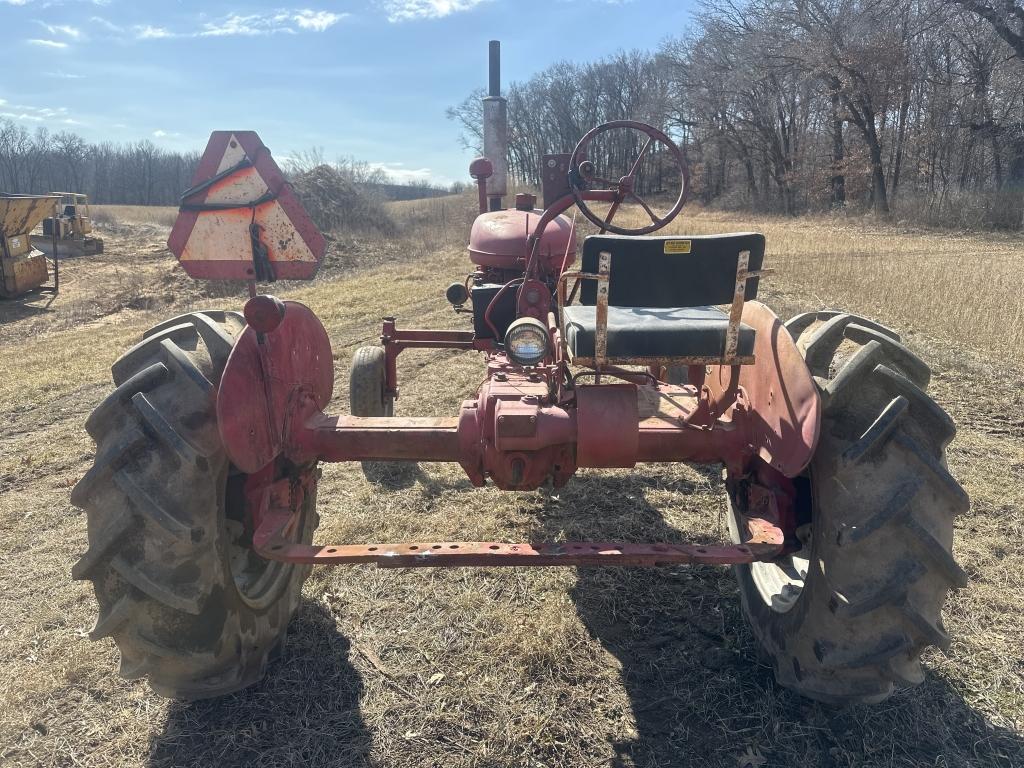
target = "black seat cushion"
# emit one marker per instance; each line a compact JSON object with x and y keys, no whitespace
{"x":651,"y":332}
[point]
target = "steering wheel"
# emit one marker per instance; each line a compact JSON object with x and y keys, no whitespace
{"x":582,"y":178}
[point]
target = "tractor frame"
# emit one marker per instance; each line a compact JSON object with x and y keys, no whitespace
{"x":757,"y":414}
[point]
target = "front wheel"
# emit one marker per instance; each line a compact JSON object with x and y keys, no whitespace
{"x":846,"y":618}
{"x":180,"y":591}
{"x":368,"y":396}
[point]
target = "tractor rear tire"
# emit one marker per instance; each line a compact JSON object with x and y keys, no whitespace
{"x":367,"y":397}
{"x":180,"y":591}
{"x":845,"y":620}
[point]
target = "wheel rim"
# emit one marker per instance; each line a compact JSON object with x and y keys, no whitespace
{"x":781,"y":582}
{"x":259,"y":582}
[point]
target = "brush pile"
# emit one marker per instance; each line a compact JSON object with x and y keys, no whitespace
{"x":338,"y":204}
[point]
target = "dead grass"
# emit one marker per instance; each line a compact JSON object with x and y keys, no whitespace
{"x":113,"y":215}
{"x":918,"y":279}
{"x":549,"y":667}
{"x":944,"y":284}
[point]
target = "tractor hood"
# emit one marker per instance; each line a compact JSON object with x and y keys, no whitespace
{"x":498,"y":239}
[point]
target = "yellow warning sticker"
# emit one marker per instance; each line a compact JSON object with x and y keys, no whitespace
{"x":677,"y":246}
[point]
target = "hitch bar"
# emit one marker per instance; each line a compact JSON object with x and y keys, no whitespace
{"x":277,"y":522}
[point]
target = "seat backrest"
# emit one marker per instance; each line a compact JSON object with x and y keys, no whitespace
{"x":671,"y":271}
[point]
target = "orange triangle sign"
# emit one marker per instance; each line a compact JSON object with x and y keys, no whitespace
{"x":241,"y":220}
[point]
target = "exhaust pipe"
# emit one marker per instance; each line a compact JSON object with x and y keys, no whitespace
{"x":496,"y":130}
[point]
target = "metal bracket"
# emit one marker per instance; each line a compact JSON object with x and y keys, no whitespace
{"x":278,"y":512}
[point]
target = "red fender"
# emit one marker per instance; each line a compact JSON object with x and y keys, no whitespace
{"x":784,"y":406}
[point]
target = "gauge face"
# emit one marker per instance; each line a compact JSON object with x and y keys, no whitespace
{"x":526,"y":342}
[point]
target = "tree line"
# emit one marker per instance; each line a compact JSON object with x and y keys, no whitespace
{"x":806,"y":105}
{"x":779,"y":105}
{"x":141,"y":173}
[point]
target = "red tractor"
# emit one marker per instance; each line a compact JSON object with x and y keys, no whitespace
{"x":202,"y":501}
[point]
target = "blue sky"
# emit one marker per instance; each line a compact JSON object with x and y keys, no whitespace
{"x":368,"y":79}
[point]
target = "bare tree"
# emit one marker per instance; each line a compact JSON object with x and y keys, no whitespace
{"x":1006,"y":18}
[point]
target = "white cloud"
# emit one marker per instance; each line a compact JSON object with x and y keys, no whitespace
{"x":408,"y":10}
{"x":44,"y":111}
{"x":399,"y":174}
{"x":48,"y":3}
{"x":60,"y":29}
{"x":283,"y":21}
{"x":148,"y":32}
{"x":162,"y":134}
{"x":317,"y":21}
{"x":245,"y":25}
{"x":47,"y":43}
{"x":37,"y":114}
{"x":22,"y":116}
{"x":110,"y":26}
{"x":64,"y":75}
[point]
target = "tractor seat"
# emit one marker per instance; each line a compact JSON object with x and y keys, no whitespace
{"x":654,"y":332}
{"x":662,"y":298}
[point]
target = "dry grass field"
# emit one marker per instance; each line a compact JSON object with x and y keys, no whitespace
{"x":525,"y":668}
{"x":111,"y":216}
